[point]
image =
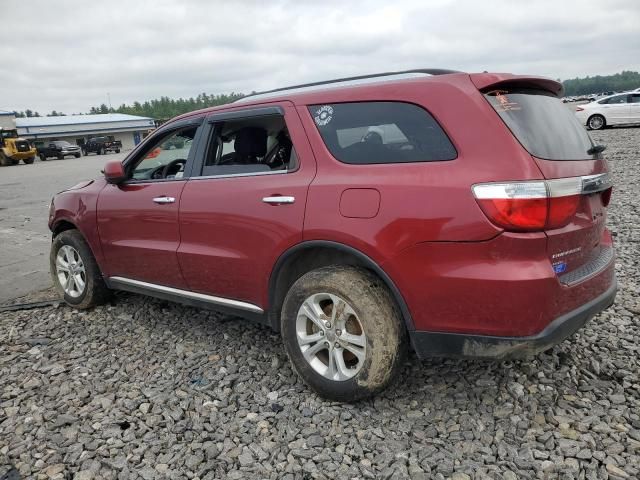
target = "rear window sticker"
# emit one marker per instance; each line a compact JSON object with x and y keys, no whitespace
{"x":504,"y":103}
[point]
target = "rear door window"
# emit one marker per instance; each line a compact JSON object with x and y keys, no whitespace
{"x":546,"y":127}
{"x":381,"y":132}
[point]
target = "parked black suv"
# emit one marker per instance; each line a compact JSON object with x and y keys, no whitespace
{"x":101,"y":145}
{"x":58,"y":149}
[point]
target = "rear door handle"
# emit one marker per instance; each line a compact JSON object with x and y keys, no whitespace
{"x":279,"y":200}
{"x":164,"y":199}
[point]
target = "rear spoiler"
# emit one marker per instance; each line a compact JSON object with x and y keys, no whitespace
{"x":484,"y":81}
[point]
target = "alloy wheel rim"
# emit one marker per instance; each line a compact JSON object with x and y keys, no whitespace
{"x":70,"y":271}
{"x":331,"y":337}
{"x":595,"y":123}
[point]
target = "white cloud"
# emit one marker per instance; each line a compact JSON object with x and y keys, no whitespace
{"x":67,"y":55}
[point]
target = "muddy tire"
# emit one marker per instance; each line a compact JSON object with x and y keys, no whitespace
{"x":14,"y":162}
{"x":343,"y":333}
{"x":75,"y":272}
{"x":29,"y":161}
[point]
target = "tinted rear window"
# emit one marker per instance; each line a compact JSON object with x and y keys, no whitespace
{"x":546,"y":127}
{"x":381,"y":132}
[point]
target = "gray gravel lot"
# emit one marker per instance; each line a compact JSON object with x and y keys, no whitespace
{"x":25,"y":193}
{"x":147,"y":389}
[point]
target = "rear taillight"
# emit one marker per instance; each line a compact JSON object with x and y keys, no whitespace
{"x":530,"y":206}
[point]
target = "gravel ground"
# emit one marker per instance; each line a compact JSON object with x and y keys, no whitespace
{"x":143,"y":388}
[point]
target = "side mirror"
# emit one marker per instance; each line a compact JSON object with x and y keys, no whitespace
{"x":114,"y":172}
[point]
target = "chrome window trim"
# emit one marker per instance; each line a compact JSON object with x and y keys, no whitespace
{"x":225,"y":302}
{"x":250,"y":174}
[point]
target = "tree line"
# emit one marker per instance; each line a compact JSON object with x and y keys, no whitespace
{"x":620,"y":82}
{"x":160,"y":108}
{"x":165,"y":107}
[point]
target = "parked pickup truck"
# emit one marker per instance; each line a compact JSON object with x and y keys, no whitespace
{"x":101,"y":145}
{"x":58,"y":149}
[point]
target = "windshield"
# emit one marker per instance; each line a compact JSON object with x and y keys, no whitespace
{"x":9,"y":133}
{"x":546,"y":127}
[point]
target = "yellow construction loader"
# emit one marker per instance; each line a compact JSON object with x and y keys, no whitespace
{"x":13,"y":148}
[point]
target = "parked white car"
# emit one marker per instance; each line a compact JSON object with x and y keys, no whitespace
{"x":618,"y":109}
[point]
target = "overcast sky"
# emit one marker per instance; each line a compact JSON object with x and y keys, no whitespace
{"x":67,"y":55}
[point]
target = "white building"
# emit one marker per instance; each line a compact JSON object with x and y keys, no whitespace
{"x":77,"y":129}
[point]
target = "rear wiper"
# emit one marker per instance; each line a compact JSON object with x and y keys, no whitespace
{"x":596,"y":149}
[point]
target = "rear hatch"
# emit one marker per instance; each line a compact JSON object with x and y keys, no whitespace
{"x":578,"y":185}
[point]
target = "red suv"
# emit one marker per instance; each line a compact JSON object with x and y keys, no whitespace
{"x":461,"y":214}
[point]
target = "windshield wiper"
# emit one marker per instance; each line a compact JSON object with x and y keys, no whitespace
{"x":596,"y":149}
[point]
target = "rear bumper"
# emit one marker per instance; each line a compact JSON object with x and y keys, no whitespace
{"x":437,"y":344}
{"x":23,"y":155}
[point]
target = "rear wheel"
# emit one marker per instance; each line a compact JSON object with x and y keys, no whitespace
{"x":60,"y":157}
{"x":4,"y":161}
{"x":596,"y":122}
{"x":75,"y":272}
{"x":77,"y":155}
{"x":43,"y":157}
{"x":343,"y":333}
{"x":29,"y":161}
{"x":117,"y":150}
{"x":14,"y":162}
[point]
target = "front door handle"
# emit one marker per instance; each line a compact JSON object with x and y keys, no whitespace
{"x":279,"y":200}
{"x":164,"y":199}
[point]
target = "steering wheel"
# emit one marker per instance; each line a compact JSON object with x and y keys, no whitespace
{"x":173,"y":167}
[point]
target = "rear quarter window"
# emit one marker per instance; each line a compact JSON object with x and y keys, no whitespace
{"x":545,"y":127}
{"x":381,"y":132}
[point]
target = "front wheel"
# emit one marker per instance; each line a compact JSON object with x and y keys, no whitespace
{"x":29,"y":161}
{"x":77,"y":155}
{"x":75,"y":272}
{"x":43,"y":157}
{"x":343,"y":333}
{"x":596,"y":122}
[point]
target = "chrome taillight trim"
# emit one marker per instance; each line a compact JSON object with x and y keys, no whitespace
{"x":557,"y":187}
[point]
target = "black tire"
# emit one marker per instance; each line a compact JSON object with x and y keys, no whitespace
{"x":4,"y":161}
{"x":117,"y":150}
{"x":95,"y":291}
{"x":60,"y":157}
{"x":381,"y":324}
{"x":100,"y":151}
{"x":29,"y":161}
{"x":43,"y":157}
{"x":596,"y":122}
{"x":77,"y":155}
{"x":14,"y":162}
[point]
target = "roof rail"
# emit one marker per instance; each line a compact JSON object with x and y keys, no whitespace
{"x":426,"y":71}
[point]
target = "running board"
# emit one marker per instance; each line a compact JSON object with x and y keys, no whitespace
{"x":137,"y":286}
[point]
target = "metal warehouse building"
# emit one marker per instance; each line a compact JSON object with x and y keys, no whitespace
{"x":77,"y":129}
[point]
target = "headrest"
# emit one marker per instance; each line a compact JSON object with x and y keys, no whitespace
{"x":251,"y":141}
